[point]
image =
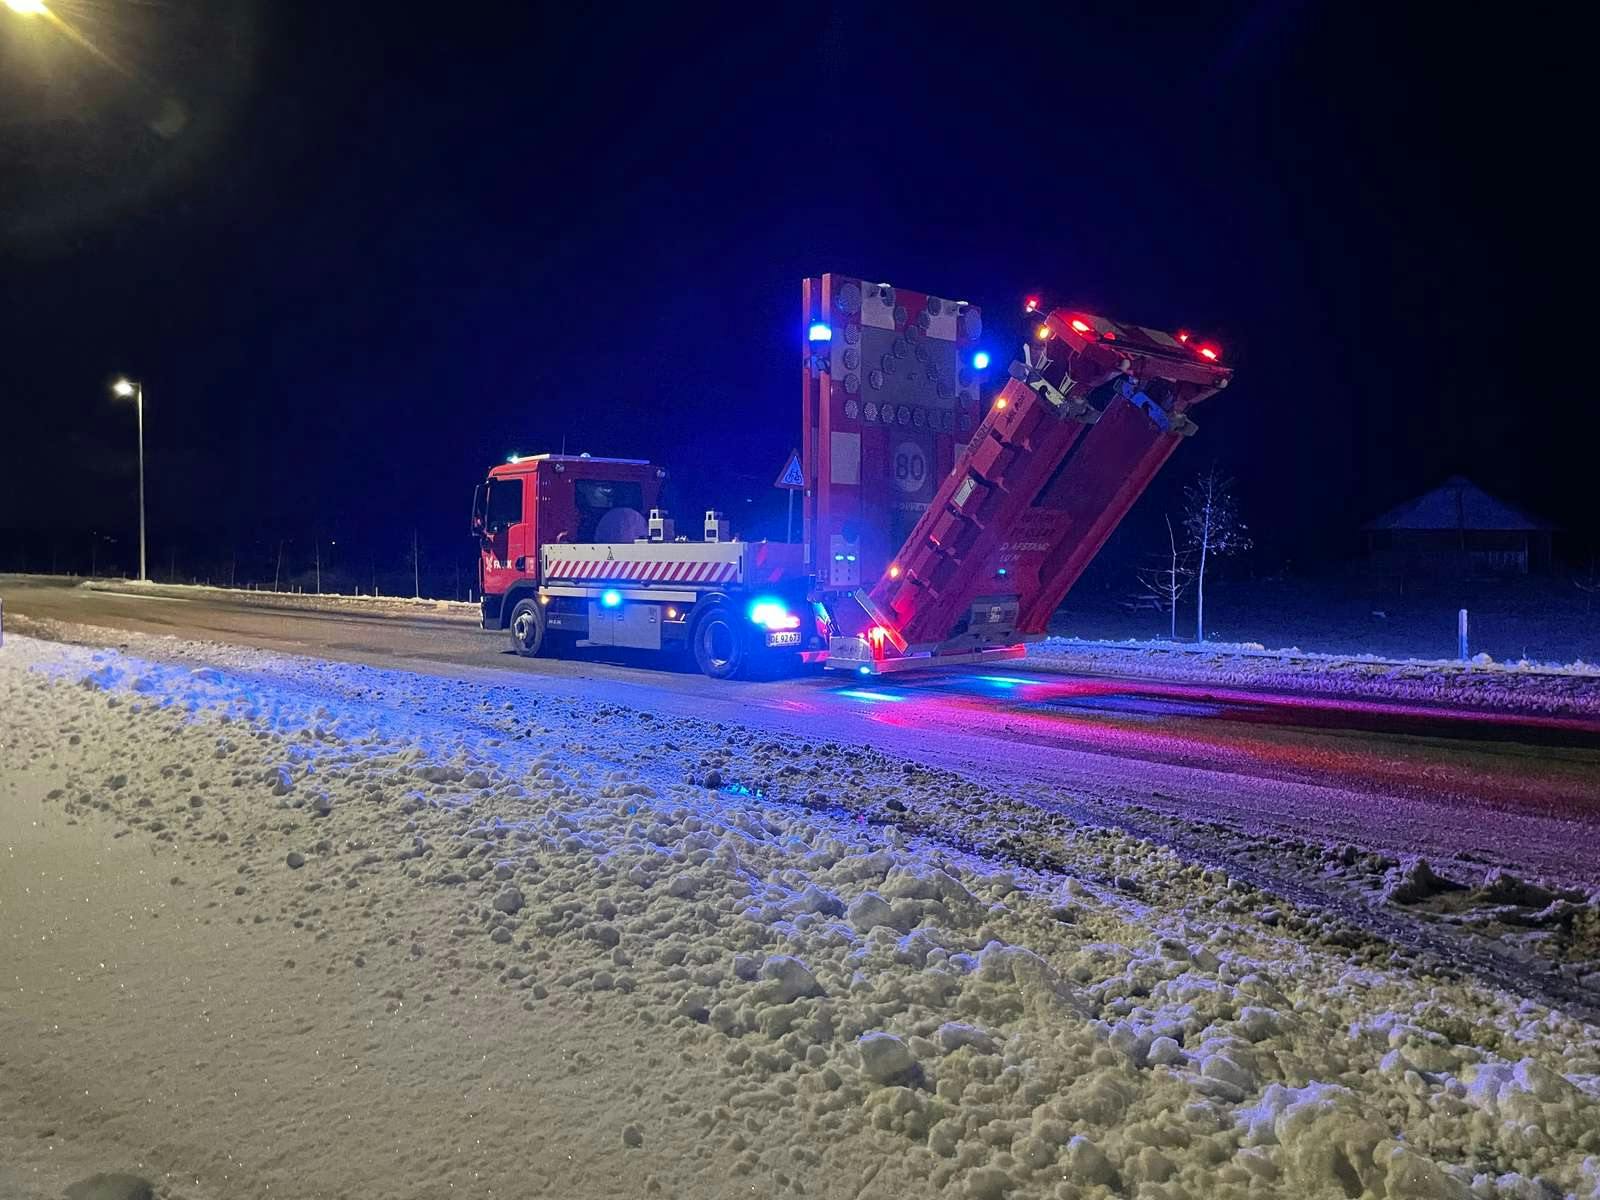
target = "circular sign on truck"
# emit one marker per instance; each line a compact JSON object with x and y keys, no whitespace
{"x":910,"y":467}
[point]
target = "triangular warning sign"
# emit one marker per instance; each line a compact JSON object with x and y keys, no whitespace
{"x":792,"y":476}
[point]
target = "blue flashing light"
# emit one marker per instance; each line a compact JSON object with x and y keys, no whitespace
{"x":980,"y":360}
{"x":610,"y":598}
{"x":1001,"y":572}
{"x":819,"y":332}
{"x":864,"y":670}
{"x":773,"y":614}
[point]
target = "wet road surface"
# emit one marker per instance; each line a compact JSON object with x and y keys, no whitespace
{"x":1225,"y":763}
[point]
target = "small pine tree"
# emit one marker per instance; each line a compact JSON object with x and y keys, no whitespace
{"x":1211,"y":520}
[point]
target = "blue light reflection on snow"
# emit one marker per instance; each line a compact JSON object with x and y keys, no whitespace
{"x":869,"y":696}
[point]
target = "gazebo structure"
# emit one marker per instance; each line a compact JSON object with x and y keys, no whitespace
{"x":1457,"y":530}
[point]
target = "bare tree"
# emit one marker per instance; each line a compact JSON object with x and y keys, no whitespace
{"x":1211,"y":519}
{"x":1169,"y":581}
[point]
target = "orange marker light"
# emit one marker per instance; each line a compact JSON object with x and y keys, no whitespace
{"x":1042,"y":333}
{"x":1000,"y":402}
{"x":1081,"y":325}
{"x":894,"y":572}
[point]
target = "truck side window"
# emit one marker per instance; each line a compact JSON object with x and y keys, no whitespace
{"x":505,"y":503}
{"x":597,"y":497}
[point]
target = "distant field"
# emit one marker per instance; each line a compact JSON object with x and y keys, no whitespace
{"x":1546,"y":620}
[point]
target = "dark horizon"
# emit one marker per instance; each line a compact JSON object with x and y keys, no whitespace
{"x":355,"y":265}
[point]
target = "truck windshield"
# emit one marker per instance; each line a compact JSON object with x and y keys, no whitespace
{"x":505,"y":503}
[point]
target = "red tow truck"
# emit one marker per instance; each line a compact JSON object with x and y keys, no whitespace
{"x":938,"y":527}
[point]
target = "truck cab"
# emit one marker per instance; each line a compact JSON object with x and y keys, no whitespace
{"x":555,"y":498}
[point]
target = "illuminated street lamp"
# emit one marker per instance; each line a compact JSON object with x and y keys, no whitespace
{"x":28,"y":8}
{"x":126,"y":388}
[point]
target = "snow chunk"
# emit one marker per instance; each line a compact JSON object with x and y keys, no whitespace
{"x":508,"y":900}
{"x":789,"y":979}
{"x":1327,"y":1139}
{"x":953,"y":1035}
{"x":1164,"y":1051}
{"x":1088,"y":1162}
{"x":868,"y":911}
{"x":884,"y":1057}
{"x":1416,"y":881}
{"x":1033,"y":977}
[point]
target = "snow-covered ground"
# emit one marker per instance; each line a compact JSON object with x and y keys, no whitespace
{"x":274,"y":926}
{"x":1526,"y":687}
{"x":1537,"y":617}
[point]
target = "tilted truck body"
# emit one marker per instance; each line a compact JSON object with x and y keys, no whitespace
{"x":972,"y":564}
{"x":938,"y":528}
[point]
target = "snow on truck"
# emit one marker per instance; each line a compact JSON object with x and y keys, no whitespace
{"x":937,"y":528}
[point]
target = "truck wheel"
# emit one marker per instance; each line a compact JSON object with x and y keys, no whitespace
{"x":527,"y":628}
{"x":721,"y":647}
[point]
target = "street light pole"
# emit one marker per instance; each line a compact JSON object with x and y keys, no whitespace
{"x":126,"y":387}
{"x":138,"y":404}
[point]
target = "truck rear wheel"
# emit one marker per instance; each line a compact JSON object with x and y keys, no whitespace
{"x":720,"y":643}
{"x":527,"y":628}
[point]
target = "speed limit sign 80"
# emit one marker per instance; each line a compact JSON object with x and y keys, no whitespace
{"x":910,"y":467}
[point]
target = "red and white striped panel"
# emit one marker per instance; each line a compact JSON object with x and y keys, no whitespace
{"x":616,"y":570}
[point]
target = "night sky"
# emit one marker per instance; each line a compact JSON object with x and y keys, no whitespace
{"x":359,"y":253}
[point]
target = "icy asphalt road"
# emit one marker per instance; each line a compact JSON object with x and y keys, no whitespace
{"x":1218,"y":770}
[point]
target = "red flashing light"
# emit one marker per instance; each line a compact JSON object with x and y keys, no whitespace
{"x":1109,"y":336}
{"x":1183,"y":337}
{"x":876,"y":636}
{"x":1081,"y":325}
{"x":1032,"y":304}
{"x":1210,"y":352}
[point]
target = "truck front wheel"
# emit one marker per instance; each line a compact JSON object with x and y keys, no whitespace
{"x":527,"y":628}
{"x":720,"y":643}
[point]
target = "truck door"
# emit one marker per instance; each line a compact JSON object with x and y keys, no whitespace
{"x":506,"y":535}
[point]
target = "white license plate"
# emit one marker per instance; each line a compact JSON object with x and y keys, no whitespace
{"x":783,"y":639}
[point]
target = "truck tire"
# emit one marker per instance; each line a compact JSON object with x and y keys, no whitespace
{"x":527,"y":628}
{"x":720,"y":643}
